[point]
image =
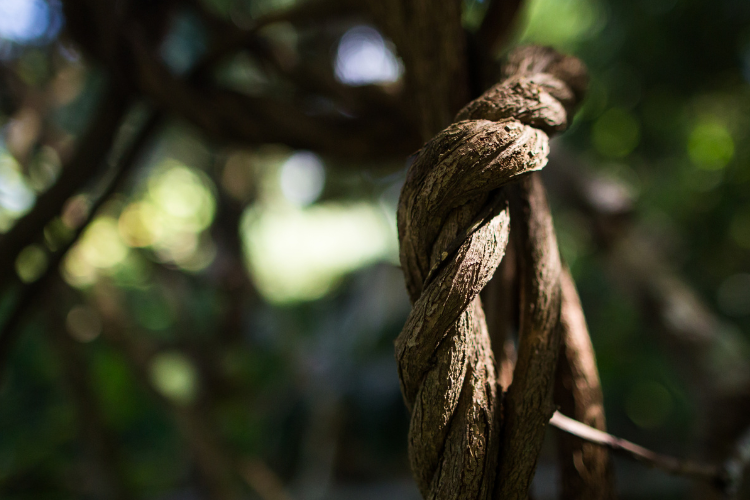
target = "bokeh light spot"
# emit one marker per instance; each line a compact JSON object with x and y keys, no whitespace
{"x":75,"y":211}
{"x":710,"y":145}
{"x":76,"y":270}
{"x":175,"y":377}
{"x":180,"y":194}
{"x":183,"y":195}
{"x":23,"y":20}
{"x":44,"y":169}
{"x":649,"y":404}
{"x":178,"y":206}
{"x":15,"y":194}
{"x":139,"y":224}
{"x":200,"y":257}
{"x":31,"y":263}
{"x":302,"y":178}
{"x":83,"y":323}
{"x":299,"y":255}
{"x":363,"y":58}
{"x":184,"y":43}
{"x":101,"y":245}
{"x":616,"y":133}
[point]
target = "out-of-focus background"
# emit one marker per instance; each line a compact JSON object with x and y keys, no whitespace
{"x":223,"y":328}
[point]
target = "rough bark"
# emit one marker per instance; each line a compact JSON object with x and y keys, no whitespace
{"x":453,"y":220}
{"x":528,"y":406}
{"x":500,"y":303}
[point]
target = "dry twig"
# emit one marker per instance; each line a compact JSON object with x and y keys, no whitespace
{"x":696,"y":470}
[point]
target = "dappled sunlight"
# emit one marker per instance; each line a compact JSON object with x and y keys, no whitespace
{"x":99,"y":251}
{"x":174,"y":208}
{"x":297,"y":255}
{"x":299,"y":251}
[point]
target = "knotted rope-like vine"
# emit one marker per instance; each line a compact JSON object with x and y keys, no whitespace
{"x":454,"y":223}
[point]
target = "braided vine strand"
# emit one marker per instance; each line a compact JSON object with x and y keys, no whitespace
{"x":454,"y":222}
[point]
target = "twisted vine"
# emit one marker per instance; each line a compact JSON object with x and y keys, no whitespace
{"x":454,"y":222}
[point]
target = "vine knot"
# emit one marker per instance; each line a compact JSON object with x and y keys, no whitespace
{"x":454,"y":223}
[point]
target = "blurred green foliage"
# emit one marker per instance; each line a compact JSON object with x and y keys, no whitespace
{"x":207,"y":295}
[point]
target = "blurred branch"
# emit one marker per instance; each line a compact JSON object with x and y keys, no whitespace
{"x":737,"y":464}
{"x":431,"y":41}
{"x":695,"y":470}
{"x":710,"y":354}
{"x":586,"y":470}
{"x":102,"y":468}
{"x":497,"y":24}
{"x":230,"y":116}
{"x":213,"y":464}
{"x":10,"y":330}
{"x":365,"y":102}
{"x":262,"y":479}
{"x":224,"y":114}
{"x":234,"y":39}
{"x":229,"y":264}
{"x":89,"y":157}
{"x":12,"y":90}
{"x":310,"y":12}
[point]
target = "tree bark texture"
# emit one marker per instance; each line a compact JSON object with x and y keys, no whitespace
{"x":529,"y":401}
{"x":454,"y":221}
